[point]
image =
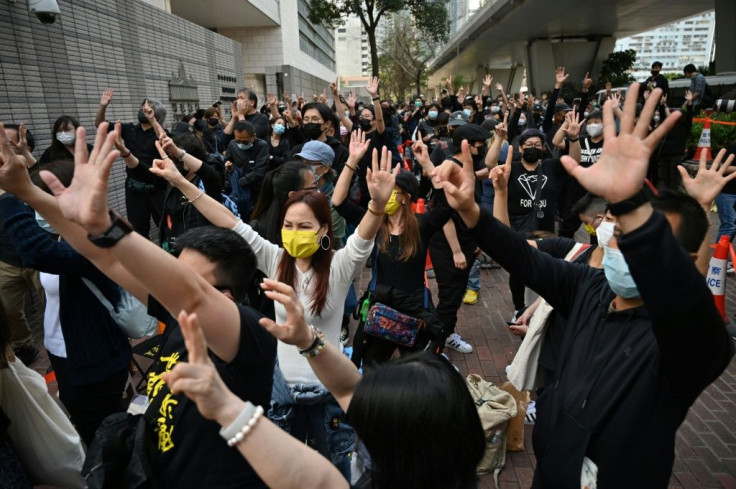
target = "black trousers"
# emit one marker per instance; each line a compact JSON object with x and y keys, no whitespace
{"x":141,"y":208}
{"x":89,"y":404}
{"x":451,"y":281}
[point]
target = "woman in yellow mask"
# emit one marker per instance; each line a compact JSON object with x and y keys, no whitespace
{"x":401,"y":245}
{"x":321,"y":278}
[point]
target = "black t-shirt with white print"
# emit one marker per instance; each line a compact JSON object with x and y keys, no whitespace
{"x":524,"y":214}
{"x":590,"y":151}
{"x":187,"y":448}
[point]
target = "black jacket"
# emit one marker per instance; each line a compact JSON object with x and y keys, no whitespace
{"x":624,"y":380}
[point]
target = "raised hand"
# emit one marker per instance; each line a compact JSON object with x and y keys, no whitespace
{"x":165,"y":168}
{"x":499,"y":87}
{"x":148,"y":111}
{"x":167,"y":144}
{"x":487,"y":80}
{"x":119,"y":142}
{"x":622,"y":166}
{"x":293,"y":331}
{"x":688,"y":97}
{"x":572,"y":129}
{"x":372,"y":87}
{"x":271,"y":99}
{"x":708,"y":182}
{"x":587,"y":82}
{"x":380,"y":179}
{"x":358,"y":145}
{"x":198,"y":379}
{"x":352,"y":100}
{"x":500,"y":174}
{"x":21,"y":147}
{"x":560,"y":76}
{"x":287,"y":97}
{"x":419,"y":149}
{"x":14,"y":177}
{"x":106,"y":97}
{"x":322,"y":97}
{"x":85,"y":200}
{"x":458,"y":183}
{"x":333,"y":88}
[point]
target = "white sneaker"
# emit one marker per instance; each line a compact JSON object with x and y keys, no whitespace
{"x":455,"y":342}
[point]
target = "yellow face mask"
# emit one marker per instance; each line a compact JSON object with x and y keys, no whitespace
{"x":589,"y":229}
{"x":393,"y":204}
{"x":300,"y":244}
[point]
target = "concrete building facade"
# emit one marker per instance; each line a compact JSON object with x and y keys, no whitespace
{"x":689,"y":40}
{"x":135,"y":48}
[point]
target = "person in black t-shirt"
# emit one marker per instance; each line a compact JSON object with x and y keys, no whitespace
{"x":657,"y":80}
{"x":144,"y":191}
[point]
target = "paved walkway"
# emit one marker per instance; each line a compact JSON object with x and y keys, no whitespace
{"x":706,"y":442}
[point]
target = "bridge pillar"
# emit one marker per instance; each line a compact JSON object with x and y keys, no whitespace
{"x":725,"y":36}
{"x":577,"y":55}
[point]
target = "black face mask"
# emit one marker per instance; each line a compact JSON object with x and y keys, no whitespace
{"x":213,"y":121}
{"x":532,"y":155}
{"x":365,"y":124}
{"x":142,"y":117}
{"x":312,"y":131}
{"x":282,"y":108}
{"x":481,"y":153}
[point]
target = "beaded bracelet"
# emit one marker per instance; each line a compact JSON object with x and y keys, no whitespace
{"x":317,"y":345}
{"x":247,"y":426}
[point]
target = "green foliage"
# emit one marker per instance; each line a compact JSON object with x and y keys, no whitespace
{"x":430,"y":17}
{"x":720,"y":135}
{"x":616,"y":69}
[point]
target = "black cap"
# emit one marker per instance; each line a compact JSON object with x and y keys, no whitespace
{"x":181,"y":127}
{"x":531,"y":133}
{"x":407,"y":181}
{"x":471,"y":132}
{"x":563,"y":107}
{"x":594,"y":114}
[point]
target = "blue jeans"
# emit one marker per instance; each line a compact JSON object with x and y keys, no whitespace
{"x":311,"y":414}
{"x":727,"y":215}
{"x":474,"y":277}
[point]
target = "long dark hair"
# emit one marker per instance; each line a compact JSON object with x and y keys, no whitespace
{"x":57,"y":150}
{"x":321,"y":260}
{"x":274,"y":193}
{"x":418,"y":421}
{"x":410,"y":238}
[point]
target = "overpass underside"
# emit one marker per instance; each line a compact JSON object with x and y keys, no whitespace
{"x":507,"y":36}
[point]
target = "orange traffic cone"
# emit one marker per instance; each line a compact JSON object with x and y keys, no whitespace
{"x":704,"y":143}
{"x":716,"y":278}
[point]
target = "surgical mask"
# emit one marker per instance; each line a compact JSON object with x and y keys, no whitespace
{"x":467,"y":112}
{"x":495,"y":109}
{"x":432,"y":114}
{"x":605,"y":232}
{"x":618,"y":274}
{"x":594,"y":130}
{"x":244,"y":146}
{"x":279,"y":128}
{"x":365,"y":124}
{"x":360,"y":107}
{"x":589,"y":229}
{"x":300,"y":243}
{"x":393,"y":205}
{"x":213,"y":121}
{"x":656,"y":119}
{"x":522,"y":122}
{"x":44,"y":225}
{"x":532,"y":155}
{"x":343,"y":131}
{"x":66,"y":138}
{"x":312,"y":131}
{"x":417,"y":104}
{"x":586,"y":113}
{"x":347,"y":113}
{"x":142,"y":117}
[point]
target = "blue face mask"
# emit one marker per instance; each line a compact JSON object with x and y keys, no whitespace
{"x":618,"y":275}
{"x":432,"y":114}
{"x":467,"y":112}
{"x":244,"y":146}
{"x":279,"y":128}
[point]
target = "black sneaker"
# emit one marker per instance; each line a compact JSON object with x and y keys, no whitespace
{"x":26,"y":354}
{"x":344,"y":335}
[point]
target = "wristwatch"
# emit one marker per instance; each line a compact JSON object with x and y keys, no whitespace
{"x":625,"y":206}
{"x":117,"y":230}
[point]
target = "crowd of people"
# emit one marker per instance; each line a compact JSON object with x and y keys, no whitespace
{"x":244,"y":236}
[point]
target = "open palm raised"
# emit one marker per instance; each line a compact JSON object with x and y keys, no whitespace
{"x":622,"y":166}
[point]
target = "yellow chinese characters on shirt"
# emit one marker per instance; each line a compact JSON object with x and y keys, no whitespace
{"x":165,"y":417}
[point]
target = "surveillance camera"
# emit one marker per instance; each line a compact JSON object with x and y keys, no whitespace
{"x":45,"y":10}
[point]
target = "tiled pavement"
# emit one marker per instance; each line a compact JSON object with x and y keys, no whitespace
{"x":706,"y":442}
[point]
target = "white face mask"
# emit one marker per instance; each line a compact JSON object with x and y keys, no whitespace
{"x":594,"y":130}
{"x":66,"y":138}
{"x":605,"y":232}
